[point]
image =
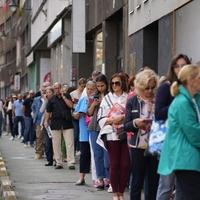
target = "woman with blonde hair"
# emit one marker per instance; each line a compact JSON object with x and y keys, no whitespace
{"x":181,"y":150}
{"x":138,"y":118}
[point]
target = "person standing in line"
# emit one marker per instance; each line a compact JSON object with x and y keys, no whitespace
{"x":181,"y":149}
{"x":81,"y":113}
{"x":18,"y":117}
{"x":47,"y":138}
{"x":138,"y":119}
{"x":1,"y":116}
{"x":10,"y":114}
{"x":75,"y":95}
{"x":117,"y":149}
{"x":37,"y":121}
{"x":59,"y":110}
{"x":162,"y":102}
{"x":29,"y":132}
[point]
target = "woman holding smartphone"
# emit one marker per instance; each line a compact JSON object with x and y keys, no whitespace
{"x":138,"y":119}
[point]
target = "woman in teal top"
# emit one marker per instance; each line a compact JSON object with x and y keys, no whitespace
{"x":181,"y":151}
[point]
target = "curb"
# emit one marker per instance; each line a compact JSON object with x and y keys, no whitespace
{"x":6,"y":188}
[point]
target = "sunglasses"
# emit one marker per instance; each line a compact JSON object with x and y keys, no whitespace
{"x":150,"y":88}
{"x":117,"y":83}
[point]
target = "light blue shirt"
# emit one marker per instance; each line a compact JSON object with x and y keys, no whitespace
{"x":82,"y":108}
{"x":18,"y":108}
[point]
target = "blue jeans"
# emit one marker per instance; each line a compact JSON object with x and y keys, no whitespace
{"x":166,"y":187}
{"x":100,"y":157}
{"x":29,"y":130}
{"x":15,"y":126}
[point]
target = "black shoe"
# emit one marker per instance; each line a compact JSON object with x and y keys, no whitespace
{"x":58,"y":167}
{"x":49,"y":164}
{"x":80,"y":182}
{"x":71,"y":167}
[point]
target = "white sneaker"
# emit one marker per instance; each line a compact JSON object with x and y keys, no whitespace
{"x":19,"y":136}
{"x":78,"y":153}
{"x":25,"y":145}
{"x":12,"y":138}
{"x":110,"y":189}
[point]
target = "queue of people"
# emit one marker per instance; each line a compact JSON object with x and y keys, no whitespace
{"x":108,"y":122}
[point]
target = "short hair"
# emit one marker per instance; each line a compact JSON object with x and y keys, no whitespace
{"x":123,"y":78}
{"x":82,"y":81}
{"x":142,"y":79}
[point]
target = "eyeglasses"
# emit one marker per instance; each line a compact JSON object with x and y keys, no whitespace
{"x":117,"y":83}
{"x":56,"y":88}
{"x":150,"y":88}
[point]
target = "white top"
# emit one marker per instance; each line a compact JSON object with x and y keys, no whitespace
{"x":10,"y":104}
{"x":104,"y":111}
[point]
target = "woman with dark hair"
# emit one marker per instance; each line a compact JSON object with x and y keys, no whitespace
{"x":109,"y":122}
{"x":162,"y":103}
{"x":100,"y":155}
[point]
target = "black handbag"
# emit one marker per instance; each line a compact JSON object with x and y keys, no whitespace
{"x":122,"y":134}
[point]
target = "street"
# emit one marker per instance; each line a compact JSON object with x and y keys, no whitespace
{"x":32,"y":180}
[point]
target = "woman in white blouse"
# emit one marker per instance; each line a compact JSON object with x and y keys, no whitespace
{"x":111,"y":116}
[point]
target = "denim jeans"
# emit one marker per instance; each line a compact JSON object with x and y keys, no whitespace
{"x":166,"y":187}
{"x":29,"y":130}
{"x":15,"y":126}
{"x":100,"y":157}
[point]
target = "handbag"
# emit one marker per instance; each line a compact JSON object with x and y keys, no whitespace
{"x":157,"y":136}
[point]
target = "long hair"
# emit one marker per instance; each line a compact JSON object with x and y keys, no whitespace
{"x":171,"y":76}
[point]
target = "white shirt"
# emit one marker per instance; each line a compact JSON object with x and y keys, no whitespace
{"x":104,"y":111}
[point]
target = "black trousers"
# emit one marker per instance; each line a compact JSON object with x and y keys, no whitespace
{"x":188,"y":183}
{"x":85,"y":157}
{"x":144,"y":173}
{"x":48,"y":147}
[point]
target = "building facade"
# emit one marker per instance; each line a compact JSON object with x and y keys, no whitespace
{"x":159,"y":29}
{"x":50,"y":57}
{"x":106,"y":38}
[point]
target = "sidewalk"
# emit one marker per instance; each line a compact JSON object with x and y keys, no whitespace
{"x":34,"y":181}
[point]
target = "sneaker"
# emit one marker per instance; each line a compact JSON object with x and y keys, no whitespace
{"x":110,"y":189}
{"x":78,"y":153}
{"x":12,"y":138}
{"x":19,"y":136}
{"x":49,"y":164}
{"x":25,"y":145}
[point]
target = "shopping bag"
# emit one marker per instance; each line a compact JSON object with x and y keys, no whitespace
{"x":156,"y":137}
